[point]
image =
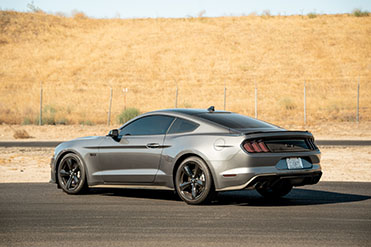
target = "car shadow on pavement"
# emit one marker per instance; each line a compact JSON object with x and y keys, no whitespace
{"x":296,"y":197}
{"x":137,"y":193}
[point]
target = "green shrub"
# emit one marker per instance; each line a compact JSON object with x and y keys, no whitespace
{"x":266,"y":13}
{"x":87,"y":122}
{"x":312,"y":15}
{"x":360,"y":13}
{"x":288,"y":104}
{"x":127,"y":114}
{"x":28,"y":121}
{"x":33,"y":8}
{"x":61,"y":121}
{"x":49,"y":115}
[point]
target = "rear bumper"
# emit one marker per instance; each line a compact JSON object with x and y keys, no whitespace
{"x":293,"y":179}
{"x":242,"y":170}
{"x":269,"y":180}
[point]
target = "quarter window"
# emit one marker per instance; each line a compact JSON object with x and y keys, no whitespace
{"x":181,"y":126}
{"x":150,"y":125}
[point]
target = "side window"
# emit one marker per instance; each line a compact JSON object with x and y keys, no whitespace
{"x":181,"y":126}
{"x":151,"y":125}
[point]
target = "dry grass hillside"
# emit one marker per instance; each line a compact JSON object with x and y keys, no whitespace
{"x":77,"y":60}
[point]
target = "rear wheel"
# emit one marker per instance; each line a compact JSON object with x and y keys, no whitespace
{"x":276,"y":191}
{"x":71,"y":174}
{"x":193,"y":181}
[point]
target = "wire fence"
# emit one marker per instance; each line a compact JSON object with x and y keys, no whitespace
{"x":294,"y":102}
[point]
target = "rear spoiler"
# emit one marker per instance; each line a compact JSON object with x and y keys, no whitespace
{"x":278,"y":134}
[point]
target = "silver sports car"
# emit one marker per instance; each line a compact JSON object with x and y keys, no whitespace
{"x":194,"y":152}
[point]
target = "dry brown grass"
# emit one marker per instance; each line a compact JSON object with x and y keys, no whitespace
{"x":79,"y":59}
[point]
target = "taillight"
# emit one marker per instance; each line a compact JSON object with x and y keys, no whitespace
{"x":248,"y":147}
{"x":255,"y":147}
{"x":263,"y":147}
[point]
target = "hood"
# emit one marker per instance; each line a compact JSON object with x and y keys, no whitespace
{"x":87,"y":138}
{"x":81,"y":141}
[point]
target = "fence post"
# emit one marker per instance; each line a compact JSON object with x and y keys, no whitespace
{"x":41,"y":105}
{"x":256,"y":101}
{"x":176,"y":97}
{"x":125,"y":90}
{"x":358,"y":99}
{"x":305,"y":104}
{"x":109,"y":110}
{"x":225,"y":96}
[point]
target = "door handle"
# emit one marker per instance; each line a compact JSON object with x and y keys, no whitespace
{"x":153,"y":145}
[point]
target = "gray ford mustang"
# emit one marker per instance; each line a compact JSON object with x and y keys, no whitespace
{"x":194,"y":152}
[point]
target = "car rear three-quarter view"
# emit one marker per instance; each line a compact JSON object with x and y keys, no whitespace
{"x":194,"y":152}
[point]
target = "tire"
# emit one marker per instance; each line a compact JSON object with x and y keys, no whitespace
{"x":71,"y":174}
{"x":194,"y":182}
{"x":275,"y":192}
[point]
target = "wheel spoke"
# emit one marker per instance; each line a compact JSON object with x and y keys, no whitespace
{"x":188,"y":171}
{"x":194,"y":191}
{"x":68,"y":184}
{"x":184,"y":185}
{"x":64,"y":173}
{"x":69,"y":163}
{"x":75,"y":168}
{"x":200,"y":183}
{"x":76,"y":179}
{"x":196,"y":170}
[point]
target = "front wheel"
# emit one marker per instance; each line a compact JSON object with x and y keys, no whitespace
{"x":71,"y":174}
{"x":193,"y":181}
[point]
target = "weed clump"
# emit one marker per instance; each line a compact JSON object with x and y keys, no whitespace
{"x":288,"y":104}
{"x":127,"y":114}
{"x":49,"y":115}
{"x":21,"y":134}
{"x":360,"y":13}
{"x":312,"y":15}
{"x":87,"y":122}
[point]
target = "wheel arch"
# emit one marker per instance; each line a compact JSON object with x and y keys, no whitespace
{"x":183,"y":157}
{"x":60,"y":157}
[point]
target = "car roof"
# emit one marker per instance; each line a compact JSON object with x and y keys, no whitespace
{"x":188,"y":111}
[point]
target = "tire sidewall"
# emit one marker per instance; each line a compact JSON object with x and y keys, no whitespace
{"x":82,"y":184}
{"x":209,"y":181}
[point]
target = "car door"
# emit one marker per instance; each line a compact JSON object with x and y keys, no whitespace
{"x":135,"y":156}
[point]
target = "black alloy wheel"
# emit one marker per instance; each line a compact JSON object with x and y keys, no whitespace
{"x":71,"y":174}
{"x":194,"y":183}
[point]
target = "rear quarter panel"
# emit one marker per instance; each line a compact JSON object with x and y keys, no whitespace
{"x":214,"y":148}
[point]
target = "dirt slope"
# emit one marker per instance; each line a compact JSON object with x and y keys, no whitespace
{"x":78,"y":60}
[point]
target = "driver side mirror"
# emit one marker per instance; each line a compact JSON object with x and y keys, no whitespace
{"x":114,"y":134}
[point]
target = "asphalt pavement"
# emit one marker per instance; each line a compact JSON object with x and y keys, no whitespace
{"x":329,"y":213}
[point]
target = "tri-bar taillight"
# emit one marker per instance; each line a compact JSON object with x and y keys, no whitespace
{"x":255,"y":147}
{"x":283,"y":145}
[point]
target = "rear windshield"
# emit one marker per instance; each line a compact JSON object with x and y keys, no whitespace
{"x":235,"y":121}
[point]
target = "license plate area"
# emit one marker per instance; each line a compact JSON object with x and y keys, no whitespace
{"x":294,"y":163}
